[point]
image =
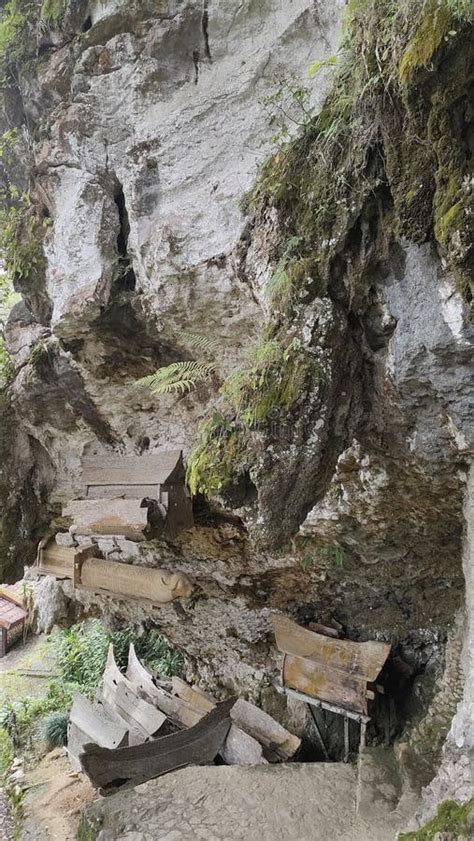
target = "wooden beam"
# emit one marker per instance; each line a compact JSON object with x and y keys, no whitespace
{"x":241,"y":749}
{"x":113,"y":770}
{"x":257,"y":723}
{"x":316,"y":702}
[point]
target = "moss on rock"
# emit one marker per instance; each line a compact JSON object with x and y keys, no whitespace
{"x":453,"y":818}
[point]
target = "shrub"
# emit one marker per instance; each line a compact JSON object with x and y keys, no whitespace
{"x":6,"y":751}
{"x":54,"y":728}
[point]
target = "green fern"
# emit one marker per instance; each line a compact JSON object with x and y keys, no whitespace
{"x":179,"y":377}
{"x":202,"y":343}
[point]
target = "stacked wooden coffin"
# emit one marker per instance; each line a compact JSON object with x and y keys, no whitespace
{"x":137,"y":730}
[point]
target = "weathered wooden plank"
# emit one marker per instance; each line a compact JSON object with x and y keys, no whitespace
{"x":138,"y":711}
{"x":90,"y":723}
{"x":241,"y":749}
{"x":257,"y":723}
{"x":121,"y":695}
{"x":111,"y":770}
{"x":122,"y":517}
{"x":56,"y":560}
{"x":93,"y":720}
{"x":112,"y":469}
{"x":328,"y":684}
{"x":137,"y":674}
{"x":138,"y":582}
{"x":192,"y":694}
{"x":358,"y":658}
{"x":122,"y":491}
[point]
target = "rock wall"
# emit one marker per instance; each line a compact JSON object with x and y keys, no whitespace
{"x":142,"y":126}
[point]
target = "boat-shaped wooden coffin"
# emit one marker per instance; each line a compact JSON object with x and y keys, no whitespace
{"x":113,"y":770}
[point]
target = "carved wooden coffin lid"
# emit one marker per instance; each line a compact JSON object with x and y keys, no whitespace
{"x":332,"y":670}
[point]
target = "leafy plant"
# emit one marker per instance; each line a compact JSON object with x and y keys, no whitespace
{"x":17,"y":25}
{"x":53,"y":10}
{"x":329,"y":61}
{"x":6,"y":751}
{"x":272,"y":380}
{"x":214,"y":459}
{"x":54,"y":728}
{"x":178,"y":378}
{"x":21,"y":234}
{"x":181,"y":377}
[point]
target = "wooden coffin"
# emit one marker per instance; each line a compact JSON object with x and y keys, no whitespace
{"x":121,"y":517}
{"x":112,"y":471}
{"x":257,"y":723}
{"x":136,"y":582}
{"x":55,"y":560}
{"x":144,"y":718}
{"x":333,"y":670}
{"x":113,"y":770}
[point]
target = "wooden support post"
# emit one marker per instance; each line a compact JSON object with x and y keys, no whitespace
{"x":3,"y":642}
{"x":346,"y":738}
{"x":363,"y":726}
{"x":319,"y":734}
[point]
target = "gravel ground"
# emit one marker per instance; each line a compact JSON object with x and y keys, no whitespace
{"x":6,"y":825}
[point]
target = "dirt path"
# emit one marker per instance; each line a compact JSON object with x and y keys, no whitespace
{"x":54,"y":799}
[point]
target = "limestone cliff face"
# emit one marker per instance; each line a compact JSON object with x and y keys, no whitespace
{"x":142,"y":126}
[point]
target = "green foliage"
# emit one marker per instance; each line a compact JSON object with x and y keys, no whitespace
{"x":21,"y":235}
{"x":451,"y":817}
{"x":272,"y":380}
{"x":433,"y":25}
{"x":329,"y":61}
{"x":6,"y":751}
{"x":383,"y":126}
{"x":53,"y":10}
{"x":214,"y":461}
{"x":81,"y":653}
{"x":336,"y":554}
{"x":287,"y":277}
{"x":17,"y":39}
{"x":204,"y":344}
{"x":286,"y":108}
{"x":19,"y":717}
{"x":86,"y":830}
{"x":54,"y":728}
{"x":179,"y":377}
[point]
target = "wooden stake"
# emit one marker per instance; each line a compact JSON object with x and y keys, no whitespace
{"x":346,"y":738}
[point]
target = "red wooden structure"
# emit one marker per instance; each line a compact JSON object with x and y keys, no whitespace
{"x":12,"y":617}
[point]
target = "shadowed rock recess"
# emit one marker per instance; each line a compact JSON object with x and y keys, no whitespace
{"x":182,"y":174}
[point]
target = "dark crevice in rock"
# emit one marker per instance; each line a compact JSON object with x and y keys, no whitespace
{"x":205,"y":28}
{"x":125,"y":279}
{"x":87,"y":24}
{"x":196,"y":66}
